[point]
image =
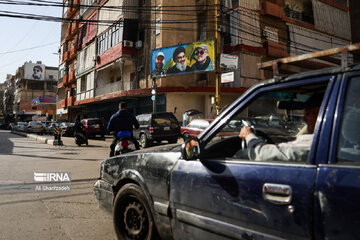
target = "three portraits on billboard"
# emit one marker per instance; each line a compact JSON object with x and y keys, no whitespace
{"x":193,"y":57}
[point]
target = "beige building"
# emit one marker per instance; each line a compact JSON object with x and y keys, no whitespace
{"x":31,"y":81}
{"x":107,"y":58}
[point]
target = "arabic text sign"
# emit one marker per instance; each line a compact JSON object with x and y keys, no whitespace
{"x":227,"y":77}
{"x":229,"y":61}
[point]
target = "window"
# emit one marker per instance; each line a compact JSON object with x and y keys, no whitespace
{"x":270,"y":34}
{"x":280,"y":135}
{"x":349,"y":135}
{"x":110,"y":38}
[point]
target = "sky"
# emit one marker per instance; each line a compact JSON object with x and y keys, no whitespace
{"x":20,"y":34}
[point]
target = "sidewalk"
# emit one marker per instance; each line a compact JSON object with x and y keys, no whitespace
{"x":67,"y":141}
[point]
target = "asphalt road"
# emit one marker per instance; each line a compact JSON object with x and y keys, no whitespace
{"x":29,"y":214}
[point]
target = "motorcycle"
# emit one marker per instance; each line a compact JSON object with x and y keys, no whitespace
{"x":80,"y":138}
{"x":124,"y":144}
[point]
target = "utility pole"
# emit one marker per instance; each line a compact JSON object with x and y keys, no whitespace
{"x":218,"y":53}
{"x":153,"y":87}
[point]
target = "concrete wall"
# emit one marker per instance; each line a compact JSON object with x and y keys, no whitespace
{"x":53,"y":72}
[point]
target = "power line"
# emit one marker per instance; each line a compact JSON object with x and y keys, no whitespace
{"x":25,"y":49}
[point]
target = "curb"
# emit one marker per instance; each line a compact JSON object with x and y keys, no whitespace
{"x":37,"y":138}
{"x":50,"y":140}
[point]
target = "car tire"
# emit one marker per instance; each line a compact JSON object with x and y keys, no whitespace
{"x":144,"y":141}
{"x":132,"y":215}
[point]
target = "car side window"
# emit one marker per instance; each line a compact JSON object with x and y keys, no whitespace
{"x":349,"y":137}
{"x":287,"y":140}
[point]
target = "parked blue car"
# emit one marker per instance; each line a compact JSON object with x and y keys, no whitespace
{"x":209,"y":188}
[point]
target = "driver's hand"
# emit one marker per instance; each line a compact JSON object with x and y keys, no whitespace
{"x":245,"y":131}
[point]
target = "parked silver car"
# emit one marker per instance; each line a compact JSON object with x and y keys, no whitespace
{"x":34,"y":127}
{"x":19,"y":127}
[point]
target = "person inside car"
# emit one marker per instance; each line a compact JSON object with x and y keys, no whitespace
{"x":296,"y":150}
{"x":122,"y":120}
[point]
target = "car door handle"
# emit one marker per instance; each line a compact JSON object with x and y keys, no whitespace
{"x":279,"y":194}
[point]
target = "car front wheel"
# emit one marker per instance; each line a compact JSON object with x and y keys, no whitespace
{"x":144,"y":141}
{"x":132,"y":215}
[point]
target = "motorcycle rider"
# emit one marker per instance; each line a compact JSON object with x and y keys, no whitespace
{"x":122,"y":120}
{"x":78,"y":129}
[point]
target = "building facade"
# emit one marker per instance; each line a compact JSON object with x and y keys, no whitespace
{"x":31,"y":81}
{"x":106,"y":49}
{"x":8,"y":99}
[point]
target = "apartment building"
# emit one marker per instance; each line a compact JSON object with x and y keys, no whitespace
{"x":106,"y":49}
{"x":2,"y":90}
{"x":8,"y":98}
{"x":35,"y":81}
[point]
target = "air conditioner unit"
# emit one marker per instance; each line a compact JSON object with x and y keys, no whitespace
{"x":138,"y":44}
{"x":128,"y":43}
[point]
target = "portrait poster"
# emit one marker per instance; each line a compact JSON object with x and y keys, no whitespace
{"x":188,"y":58}
{"x":34,"y":71}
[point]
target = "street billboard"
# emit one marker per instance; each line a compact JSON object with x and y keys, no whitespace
{"x":43,"y":100}
{"x":34,"y":71}
{"x":192,"y":57}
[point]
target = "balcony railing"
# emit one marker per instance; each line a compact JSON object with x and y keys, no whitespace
{"x":72,"y":77}
{"x":273,"y":9}
{"x":66,"y":56}
{"x":276,"y":49}
{"x":109,"y":88}
{"x":300,"y":16}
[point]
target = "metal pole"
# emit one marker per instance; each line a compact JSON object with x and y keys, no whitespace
{"x":218,"y":49}
{"x":154,"y":47}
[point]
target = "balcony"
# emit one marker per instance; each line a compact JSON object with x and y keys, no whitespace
{"x":66,"y":79}
{"x":70,"y":101}
{"x":73,"y":52}
{"x":72,"y":77}
{"x":74,"y":27}
{"x":272,"y":9}
{"x":68,"y":32}
{"x":66,"y":56}
{"x":300,"y":16}
{"x":275,"y":49}
{"x":109,"y":88}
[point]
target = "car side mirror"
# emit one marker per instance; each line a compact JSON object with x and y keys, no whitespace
{"x":190,"y":149}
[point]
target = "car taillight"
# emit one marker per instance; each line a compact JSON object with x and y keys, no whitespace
{"x":151,"y":129}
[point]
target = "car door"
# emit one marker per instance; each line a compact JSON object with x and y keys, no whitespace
{"x":337,"y":192}
{"x":225,"y":195}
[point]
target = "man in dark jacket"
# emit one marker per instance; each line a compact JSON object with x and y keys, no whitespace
{"x":122,"y":120}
